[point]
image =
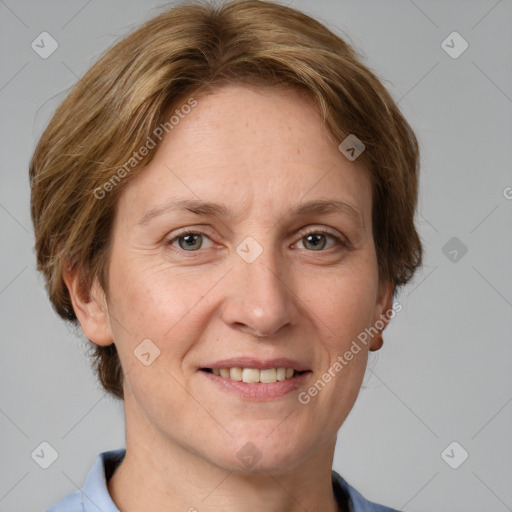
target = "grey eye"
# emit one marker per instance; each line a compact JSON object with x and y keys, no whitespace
{"x":190,"y":242}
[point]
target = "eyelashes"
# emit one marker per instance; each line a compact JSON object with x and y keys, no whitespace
{"x":193,"y":241}
{"x":338,"y":242}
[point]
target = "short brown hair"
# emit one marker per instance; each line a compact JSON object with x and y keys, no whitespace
{"x":122,"y":100}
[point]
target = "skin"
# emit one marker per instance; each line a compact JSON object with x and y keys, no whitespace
{"x":261,"y":153}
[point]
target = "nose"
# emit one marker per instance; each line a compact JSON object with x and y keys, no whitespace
{"x":260,"y":302}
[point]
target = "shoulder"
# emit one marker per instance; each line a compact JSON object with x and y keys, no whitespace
{"x":71,"y":503}
{"x":356,"y":501}
{"x":93,"y":496}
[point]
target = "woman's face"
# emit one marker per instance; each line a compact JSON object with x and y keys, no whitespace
{"x":216,"y":262}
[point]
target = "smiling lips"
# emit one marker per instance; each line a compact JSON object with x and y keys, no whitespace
{"x":269,"y":388}
{"x":253,"y":375}
{"x":255,"y":371}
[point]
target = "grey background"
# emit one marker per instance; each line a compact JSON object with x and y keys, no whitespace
{"x":444,"y":373}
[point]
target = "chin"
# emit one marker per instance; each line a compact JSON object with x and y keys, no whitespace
{"x":251,"y":460}
{"x":262,"y":451}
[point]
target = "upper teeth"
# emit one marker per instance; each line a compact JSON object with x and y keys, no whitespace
{"x":266,"y":376}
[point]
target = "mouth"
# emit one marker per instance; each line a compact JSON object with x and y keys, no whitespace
{"x":256,"y":380}
{"x":255,"y":375}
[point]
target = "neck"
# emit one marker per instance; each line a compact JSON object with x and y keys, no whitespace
{"x":160,"y":475}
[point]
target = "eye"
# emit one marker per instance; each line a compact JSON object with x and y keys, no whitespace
{"x":189,"y":241}
{"x":312,"y":240}
{"x":316,"y":240}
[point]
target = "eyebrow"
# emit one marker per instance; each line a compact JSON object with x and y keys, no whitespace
{"x":318,"y":206}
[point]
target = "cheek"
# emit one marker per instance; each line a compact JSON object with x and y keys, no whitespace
{"x":344,"y":305}
{"x":149,"y":309}
{"x":344,"y":302}
{"x":156,"y":302}
{"x":344,"y":308}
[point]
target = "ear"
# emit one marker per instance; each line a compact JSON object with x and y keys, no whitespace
{"x":90,"y":306}
{"x":383,"y":308}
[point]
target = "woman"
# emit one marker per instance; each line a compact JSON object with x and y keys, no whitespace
{"x":225,"y":204}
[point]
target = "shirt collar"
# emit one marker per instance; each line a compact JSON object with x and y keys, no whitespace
{"x":95,"y":496}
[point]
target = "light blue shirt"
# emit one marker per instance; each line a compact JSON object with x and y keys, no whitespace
{"x":94,"y":496}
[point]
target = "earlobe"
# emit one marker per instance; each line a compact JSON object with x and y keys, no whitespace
{"x":90,"y":306}
{"x":383,"y":314}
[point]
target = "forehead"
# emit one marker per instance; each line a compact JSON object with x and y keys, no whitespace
{"x":249,"y":148}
